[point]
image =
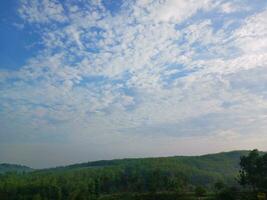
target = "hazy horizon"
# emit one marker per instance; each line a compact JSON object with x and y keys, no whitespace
{"x":89,"y":80}
{"x":121,"y":158}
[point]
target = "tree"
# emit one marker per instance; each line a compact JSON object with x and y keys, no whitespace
{"x":37,"y":197}
{"x":228,"y":193}
{"x":253,"y":172}
{"x":200,"y":191}
{"x":219,"y":185}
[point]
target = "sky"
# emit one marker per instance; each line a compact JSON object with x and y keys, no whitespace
{"x":84,"y":80}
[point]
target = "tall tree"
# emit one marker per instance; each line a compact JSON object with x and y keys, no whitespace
{"x":253,"y":172}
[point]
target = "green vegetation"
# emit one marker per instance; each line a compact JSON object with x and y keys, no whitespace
{"x":253,"y":173}
{"x":4,"y":168}
{"x":180,"y":177}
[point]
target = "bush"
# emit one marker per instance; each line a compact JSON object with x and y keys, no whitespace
{"x":200,"y":191}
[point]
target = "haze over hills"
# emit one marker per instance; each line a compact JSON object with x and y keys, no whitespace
{"x":137,"y":178}
{"x":224,"y":164}
{"x":204,"y":169}
{"x":231,"y":158}
{"x":5,"y":167}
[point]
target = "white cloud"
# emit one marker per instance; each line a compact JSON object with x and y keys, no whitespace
{"x":169,"y":10}
{"x":43,"y":11}
{"x":150,"y":66}
{"x":231,"y":7}
{"x":252,"y":36}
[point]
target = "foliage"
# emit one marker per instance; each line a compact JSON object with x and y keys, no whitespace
{"x":150,"y":178}
{"x":228,"y":193}
{"x":219,"y":185}
{"x":253,"y":172}
{"x":200,"y":191}
{"x":4,"y":168}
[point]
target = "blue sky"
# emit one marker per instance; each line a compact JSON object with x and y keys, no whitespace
{"x":88,"y":80}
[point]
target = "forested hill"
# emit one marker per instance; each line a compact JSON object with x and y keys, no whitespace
{"x":205,"y":169}
{"x":140,"y":178}
{"x":221,"y":162}
{"x":4,"y":168}
{"x":225,"y":163}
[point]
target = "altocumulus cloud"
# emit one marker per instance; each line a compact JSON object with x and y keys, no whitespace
{"x":136,"y":78}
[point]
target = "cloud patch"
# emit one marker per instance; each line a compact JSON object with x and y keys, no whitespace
{"x":152,"y":68}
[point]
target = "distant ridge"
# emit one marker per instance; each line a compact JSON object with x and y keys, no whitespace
{"x":6,"y":167}
{"x":232,"y":156}
{"x":197,"y":170}
{"x":228,"y":159}
{"x":235,"y":155}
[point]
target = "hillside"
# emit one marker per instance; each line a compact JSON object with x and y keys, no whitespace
{"x":205,"y":169}
{"x":231,"y":159}
{"x":4,"y":168}
{"x":141,"y":176}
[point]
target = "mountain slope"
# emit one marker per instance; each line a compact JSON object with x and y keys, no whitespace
{"x":226,"y":158}
{"x":204,"y":170}
{"x":97,"y":180}
{"x":5,"y":167}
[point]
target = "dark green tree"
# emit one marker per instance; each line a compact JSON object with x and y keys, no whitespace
{"x":253,"y":172}
{"x":219,"y":185}
{"x":228,"y":193}
{"x":200,"y":191}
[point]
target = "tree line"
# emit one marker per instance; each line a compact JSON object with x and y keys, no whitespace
{"x":138,"y":180}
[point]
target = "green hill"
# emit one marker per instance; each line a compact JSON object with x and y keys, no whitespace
{"x":4,"y":168}
{"x":112,"y":178}
{"x":227,"y":159}
{"x":198,"y":170}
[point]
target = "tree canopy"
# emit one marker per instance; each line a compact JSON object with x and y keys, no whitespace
{"x":253,"y":172}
